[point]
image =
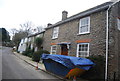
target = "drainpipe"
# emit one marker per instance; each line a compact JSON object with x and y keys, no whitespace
{"x":107,"y":24}
{"x":107,"y":37}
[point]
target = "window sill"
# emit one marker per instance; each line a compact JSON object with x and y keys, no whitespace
{"x":84,"y":57}
{"x":54,"y":38}
{"x":83,"y":33}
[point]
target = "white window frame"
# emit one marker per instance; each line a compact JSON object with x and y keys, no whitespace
{"x":55,"y":51}
{"x":118,"y":24}
{"x":55,"y":32}
{"x":29,"y":39}
{"x":80,"y":25}
{"x":83,"y":51}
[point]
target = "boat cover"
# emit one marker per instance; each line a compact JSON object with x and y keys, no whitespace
{"x":69,"y":61}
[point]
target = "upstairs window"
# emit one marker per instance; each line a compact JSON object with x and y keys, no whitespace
{"x":118,"y":23}
{"x":55,"y":33}
{"x":53,"y":49}
{"x":84,"y":25}
{"x":83,"y":50}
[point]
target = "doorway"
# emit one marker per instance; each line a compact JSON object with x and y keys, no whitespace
{"x":64,"y":49}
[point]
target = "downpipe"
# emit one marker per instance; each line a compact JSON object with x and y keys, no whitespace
{"x":107,"y":25}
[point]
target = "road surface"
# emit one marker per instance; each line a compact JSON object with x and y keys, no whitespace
{"x":15,"y":68}
{"x":0,"y":63}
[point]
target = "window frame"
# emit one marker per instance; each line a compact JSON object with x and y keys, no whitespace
{"x":118,"y":23}
{"x":77,"y":55}
{"x":55,"y":32}
{"x":51,"y":52}
{"x":80,"y":26}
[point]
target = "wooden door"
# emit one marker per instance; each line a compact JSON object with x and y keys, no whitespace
{"x":64,"y":50}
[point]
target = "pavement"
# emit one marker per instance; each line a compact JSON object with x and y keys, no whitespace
{"x":29,"y":61}
{"x":34,"y":64}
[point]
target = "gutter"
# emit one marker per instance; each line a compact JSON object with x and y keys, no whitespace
{"x":107,"y":37}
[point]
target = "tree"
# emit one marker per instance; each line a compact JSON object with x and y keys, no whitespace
{"x":18,"y":36}
{"x":4,"y":35}
{"x":26,"y":27}
{"x":13,"y":31}
{"x":23,"y":32}
{"x":40,"y":29}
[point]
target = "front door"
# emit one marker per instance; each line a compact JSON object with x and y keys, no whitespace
{"x":64,"y":49}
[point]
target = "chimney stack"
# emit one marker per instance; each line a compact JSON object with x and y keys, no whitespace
{"x":49,"y":24}
{"x":64,"y":15}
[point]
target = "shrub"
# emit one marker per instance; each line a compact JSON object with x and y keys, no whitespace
{"x":37,"y":55}
{"x":38,"y":42}
{"x":28,"y":52}
{"x":97,"y":72}
{"x":25,"y":52}
{"x":44,"y":51}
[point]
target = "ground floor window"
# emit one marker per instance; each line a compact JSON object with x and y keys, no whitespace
{"x":53,"y":49}
{"x":83,"y":50}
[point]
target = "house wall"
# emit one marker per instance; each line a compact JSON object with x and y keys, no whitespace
{"x":114,"y":43}
{"x":118,"y":43}
{"x":68,"y":32}
{"x":47,"y":39}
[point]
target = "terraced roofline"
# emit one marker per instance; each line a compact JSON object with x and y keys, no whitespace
{"x":98,"y":8}
{"x":32,"y":35}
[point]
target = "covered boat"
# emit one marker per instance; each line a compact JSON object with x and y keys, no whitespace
{"x":66,"y":66}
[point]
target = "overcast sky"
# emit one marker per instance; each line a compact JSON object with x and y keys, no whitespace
{"x":40,"y":12}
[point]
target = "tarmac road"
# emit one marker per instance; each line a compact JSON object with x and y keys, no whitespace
{"x":0,"y":63}
{"x":15,"y":68}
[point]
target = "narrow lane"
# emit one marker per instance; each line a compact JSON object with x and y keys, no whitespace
{"x":15,"y":68}
{"x":0,"y":63}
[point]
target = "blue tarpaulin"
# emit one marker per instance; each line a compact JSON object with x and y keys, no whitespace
{"x":69,"y":61}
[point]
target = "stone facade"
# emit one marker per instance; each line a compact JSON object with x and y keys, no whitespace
{"x":114,"y":42}
{"x":68,"y":32}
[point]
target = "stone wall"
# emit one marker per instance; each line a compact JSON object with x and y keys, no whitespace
{"x":68,"y":32}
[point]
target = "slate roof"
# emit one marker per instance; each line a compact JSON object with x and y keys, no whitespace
{"x":98,"y":8}
{"x":36,"y":34}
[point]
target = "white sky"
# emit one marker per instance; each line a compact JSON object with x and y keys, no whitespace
{"x":40,"y":12}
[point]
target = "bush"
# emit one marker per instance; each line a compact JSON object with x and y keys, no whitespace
{"x":37,"y":55}
{"x":38,"y":42}
{"x":44,"y":51}
{"x":28,"y":52}
{"x":97,"y":72}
